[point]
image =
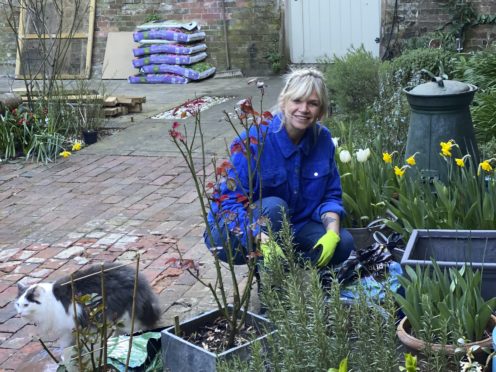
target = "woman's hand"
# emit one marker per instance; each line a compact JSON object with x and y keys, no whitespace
{"x":328,"y":243}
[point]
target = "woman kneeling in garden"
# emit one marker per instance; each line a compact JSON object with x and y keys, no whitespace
{"x":291,"y":158}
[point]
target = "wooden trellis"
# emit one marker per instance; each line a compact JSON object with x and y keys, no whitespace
{"x":55,"y":39}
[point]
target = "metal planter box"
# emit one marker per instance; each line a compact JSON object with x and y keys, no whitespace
{"x":453,"y":248}
{"x":180,"y":355}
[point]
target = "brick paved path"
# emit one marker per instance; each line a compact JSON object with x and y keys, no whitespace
{"x":89,"y":209}
{"x":129,"y":193}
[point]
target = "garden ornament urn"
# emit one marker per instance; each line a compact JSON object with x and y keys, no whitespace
{"x":439,"y":113}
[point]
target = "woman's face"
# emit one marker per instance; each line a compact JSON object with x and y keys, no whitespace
{"x":301,"y":114}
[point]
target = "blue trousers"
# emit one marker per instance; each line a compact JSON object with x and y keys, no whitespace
{"x":304,"y":240}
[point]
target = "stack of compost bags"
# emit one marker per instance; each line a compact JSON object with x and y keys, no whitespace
{"x":170,"y":52}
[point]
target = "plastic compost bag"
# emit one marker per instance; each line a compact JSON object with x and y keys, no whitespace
{"x":178,"y":70}
{"x":172,"y":59}
{"x":169,"y":47}
{"x":158,"y":79}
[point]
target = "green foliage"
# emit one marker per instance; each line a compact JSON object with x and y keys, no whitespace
{"x":275,"y":60}
{"x":315,"y":329}
{"x":353,"y":80}
{"x":445,"y":305}
{"x":153,"y":16}
{"x":480,"y":69}
{"x":388,"y":115}
{"x":467,"y":200}
{"x":413,"y":61}
{"x":484,"y":115}
{"x":365,"y":183}
{"x":462,"y":14}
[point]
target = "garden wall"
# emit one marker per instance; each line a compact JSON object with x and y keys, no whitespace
{"x":416,"y":17}
{"x":253,"y":29}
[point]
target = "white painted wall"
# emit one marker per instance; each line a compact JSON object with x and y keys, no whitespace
{"x":320,"y":28}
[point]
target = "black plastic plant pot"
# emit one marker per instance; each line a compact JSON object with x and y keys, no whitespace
{"x":90,"y":137}
{"x":179,"y":355}
{"x":454,"y":248}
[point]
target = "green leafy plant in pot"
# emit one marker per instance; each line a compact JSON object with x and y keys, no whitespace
{"x":443,"y":306}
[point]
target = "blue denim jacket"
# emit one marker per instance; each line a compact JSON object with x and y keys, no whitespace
{"x":303,"y":175}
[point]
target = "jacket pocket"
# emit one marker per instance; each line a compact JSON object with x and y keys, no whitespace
{"x":274,"y":183}
{"x":314,"y":180}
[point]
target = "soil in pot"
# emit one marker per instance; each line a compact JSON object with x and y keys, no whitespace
{"x":213,"y":337}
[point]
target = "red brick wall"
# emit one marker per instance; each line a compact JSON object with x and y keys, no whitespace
{"x":253,"y":27}
{"x":417,"y":17}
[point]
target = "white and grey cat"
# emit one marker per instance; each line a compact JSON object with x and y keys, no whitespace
{"x":50,"y":307}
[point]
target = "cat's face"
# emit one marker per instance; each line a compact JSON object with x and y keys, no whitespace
{"x":30,"y":300}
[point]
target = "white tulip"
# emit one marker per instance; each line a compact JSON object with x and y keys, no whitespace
{"x":335,"y":140}
{"x":362,"y":155}
{"x":345,"y":156}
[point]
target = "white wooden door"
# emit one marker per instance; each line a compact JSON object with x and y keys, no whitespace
{"x":320,"y":28}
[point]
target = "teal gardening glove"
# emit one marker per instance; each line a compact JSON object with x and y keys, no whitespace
{"x":271,"y":249}
{"x":327,"y":243}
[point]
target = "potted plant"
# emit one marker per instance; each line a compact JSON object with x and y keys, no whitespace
{"x":231,"y":317}
{"x":89,"y":111}
{"x":443,"y":306}
{"x":454,"y":248}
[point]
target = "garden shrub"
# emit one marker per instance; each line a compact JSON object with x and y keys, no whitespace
{"x":413,"y":61}
{"x":353,"y":80}
{"x":316,"y":330}
{"x":480,"y":69}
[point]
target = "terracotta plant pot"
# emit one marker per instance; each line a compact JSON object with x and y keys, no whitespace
{"x":416,"y":346}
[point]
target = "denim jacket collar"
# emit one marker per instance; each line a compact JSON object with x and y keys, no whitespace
{"x":287,"y":146}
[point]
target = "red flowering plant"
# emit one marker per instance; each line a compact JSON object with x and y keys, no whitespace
{"x":218,"y":194}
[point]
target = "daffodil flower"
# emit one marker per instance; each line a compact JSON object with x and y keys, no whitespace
{"x":65,"y":154}
{"x":461,"y":161}
{"x":76,"y":146}
{"x":411,"y":160}
{"x":485,"y":166}
{"x":388,"y":157}
{"x":446,"y":147}
{"x":400,"y":172}
{"x":362,"y":155}
{"x":345,"y":156}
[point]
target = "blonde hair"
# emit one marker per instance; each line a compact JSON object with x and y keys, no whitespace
{"x":300,"y":84}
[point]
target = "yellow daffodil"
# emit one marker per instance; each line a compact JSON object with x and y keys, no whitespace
{"x":446,"y":147}
{"x":388,"y":157}
{"x":76,"y":146}
{"x":411,"y":159}
{"x":400,"y":172}
{"x":461,"y":161}
{"x":65,"y":154}
{"x":485,"y":166}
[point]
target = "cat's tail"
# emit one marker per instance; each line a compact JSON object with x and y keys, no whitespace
{"x":150,"y":313}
